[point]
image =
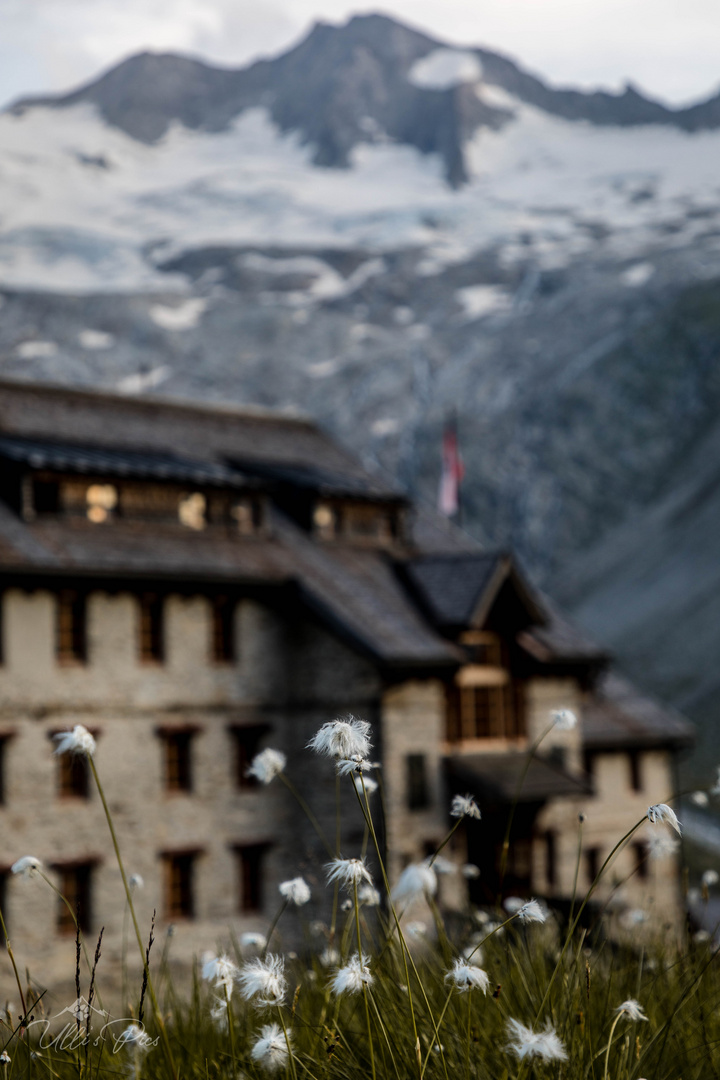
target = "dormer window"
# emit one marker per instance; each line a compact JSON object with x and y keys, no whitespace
{"x":101,"y":500}
{"x":364,"y":523}
{"x":485,"y":702}
{"x":248,"y":515}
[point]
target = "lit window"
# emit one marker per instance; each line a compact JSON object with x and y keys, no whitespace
{"x":76,"y":888}
{"x":485,"y":712}
{"x":192,"y":509}
{"x":250,"y":863}
{"x":152,"y":629}
{"x":179,"y":884}
{"x":101,"y":500}
{"x":248,"y":515}
{"x":325,"y":521}
{"x":70,"y":627}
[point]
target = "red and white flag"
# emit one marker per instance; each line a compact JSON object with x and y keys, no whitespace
{"x":453,"y":471}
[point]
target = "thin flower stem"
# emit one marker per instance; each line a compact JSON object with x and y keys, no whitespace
{"x":610,"y":1039}
{"x":467,"y":1039}
{"x":439,"y":1025}
{"x":231,"y":1030}
{"x":14,"y":965}
{"x":621,"y":843}
{"x":385,"y":1034}
{"x":146,"y":967}
{"x":449,"y":836}
{"x":273,"y":925}
{"x":364,"y":985}
{"x":307,"y":811}
{"x":287,"y":1043}
{"x":407,"y":956}
{"x":577,"y":867}
{"x":508,"y":828}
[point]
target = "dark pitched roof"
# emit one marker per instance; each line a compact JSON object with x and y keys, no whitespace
{"x":494,"y":778}
{"x":96,"y":459}
{"x":214,"y":434}
{"x":457,"y":590}
{"x":618,"y":716}
{"x":559,"y":639}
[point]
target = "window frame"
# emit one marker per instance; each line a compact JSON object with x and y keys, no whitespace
{"x":71,"y":627}
{"x":244,"y":750}
{"x":249,"y":860}
{"x":151,"y":628}
{"x":184,"y":861}
{"x":76,"y":885}
{"x":177,"y":765}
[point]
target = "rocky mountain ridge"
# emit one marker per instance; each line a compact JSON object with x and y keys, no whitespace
{"x":286,"y":235}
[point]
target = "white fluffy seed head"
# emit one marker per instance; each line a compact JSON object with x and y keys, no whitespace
{"x":271,"y":1049}
{"x":545,"y":1044}
{"x":632,"y":1009}
{"x":251,"y":939}
{"x":663,"y":812}
{"x":348,"y":872}
{"x":296,"y":891}
{"x":464,"y":806}
{"x":351,"y":978}
{"x":27,"y":867}
{"x":661,"y":846}
{"x":77,"y":741}
{"x":563,"y":719}
{"x":416,"y":881}
{"x":532,"y":912}
{"x":346,"y":739}
{"x":365,"y":782}
{"x":263,"y":981}
{"x":266,"y":765}
{"x":464,"y":977}
{"x":221,"y":972}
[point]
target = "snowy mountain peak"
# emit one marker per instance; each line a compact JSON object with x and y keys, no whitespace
{"x":370,"y":80}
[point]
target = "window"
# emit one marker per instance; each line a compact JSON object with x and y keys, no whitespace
{"x":46,"y":496}
{"x":71,"y":627}
{"x":76,"y":888}
{"x":641,"y":861}
{"x":223,"y":630}
{"x":418,"y":796}
{"x":246,"y":742}
{"x":177,"y":746}
{"x":550,"y":858}
{"x":191,"y":511}
{"x":636,"y":782}
{"x":179,"y":874}
{"x":248,"y":515}
{"x":152,"y":629}
{"x":73,"y":776}
{"x":250,"y":861}
{"x":5,"y":738}
{"x":101,"y":500}
{"x":485,"y":712}
{"x":592,"y":863}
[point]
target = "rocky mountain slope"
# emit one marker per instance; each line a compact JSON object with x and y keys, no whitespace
{"x":380,"y":230}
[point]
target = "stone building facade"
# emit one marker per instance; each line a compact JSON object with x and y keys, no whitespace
{"x":194,"y":583}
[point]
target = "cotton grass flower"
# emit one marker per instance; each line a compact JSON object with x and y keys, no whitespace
{"x":470,"y":871}
{"x":348,"y":872}
{"x":417,"y":880}
{"x":271,"y":1049}
{"x":699,"y":798}
{"x":466,"y":977}
{"x":710,"y":878}
{"x":348,"y":766}
{"x":351,"y":978}
{"x":663,"y":812}
{"x":365,"y":782}
{"x":27,"y":867}
{"x":632,"y":1009}
{"x":348,"y":738}
{"x":266,"y":765}
{"x":296,"y":891}
{"x":263,"y":981}
{"x":464,"y":806}
{"x":77,"y":741}
{"x":221,"y":972}
{"x":441,"y":865}
{"x":545,"y":1044}
{"x":367,"y":895}
{"x":136,"y":881}
{"x":661,"y":847}
{"x":251,"y":939}
{"x":532,"y":911}
{"x":563,"y":719}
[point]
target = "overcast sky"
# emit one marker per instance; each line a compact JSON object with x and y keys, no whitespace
{"x":670,"y":48}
